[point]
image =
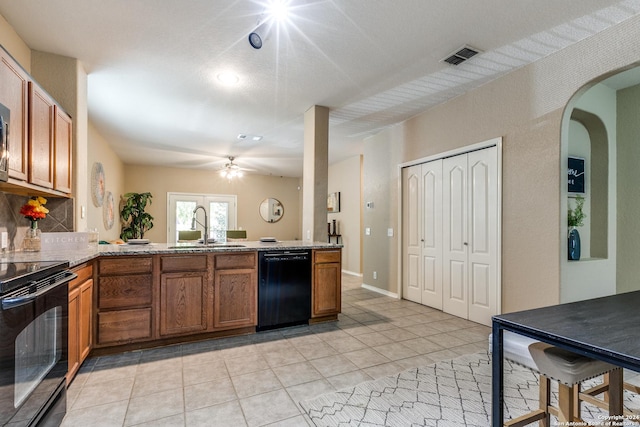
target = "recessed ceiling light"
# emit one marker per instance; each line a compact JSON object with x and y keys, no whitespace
{"x":278,"y":10}
{"x":228,"y":78}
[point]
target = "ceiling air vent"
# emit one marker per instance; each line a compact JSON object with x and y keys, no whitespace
{"x":461,"y":55}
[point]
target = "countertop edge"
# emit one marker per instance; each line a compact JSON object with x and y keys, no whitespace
{"x":77,"y":257}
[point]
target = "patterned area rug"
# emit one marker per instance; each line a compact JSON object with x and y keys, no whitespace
{"x":450,"y":393}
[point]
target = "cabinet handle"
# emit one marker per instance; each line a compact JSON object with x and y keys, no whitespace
{"x":466,"y":244}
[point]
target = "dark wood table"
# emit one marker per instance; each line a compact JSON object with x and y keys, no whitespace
{"x":606,"y":328}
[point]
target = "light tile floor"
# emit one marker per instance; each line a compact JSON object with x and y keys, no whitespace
{"x":258,"y":379}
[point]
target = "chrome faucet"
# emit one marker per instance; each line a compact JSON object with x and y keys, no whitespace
{"x":205,"y":225}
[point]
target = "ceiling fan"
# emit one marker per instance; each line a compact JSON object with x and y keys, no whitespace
{"x":231,"y":170}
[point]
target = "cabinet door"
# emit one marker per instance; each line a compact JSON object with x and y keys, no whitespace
{"x":183,"y":299}
{"x":326,"y":289}
{"x":62,"y":152}
{"x":85,"y":319}
{"x":73,"y":353}
{"x":41,"y":136}
{"x":235,"y":293}
{"x":14,"y":94}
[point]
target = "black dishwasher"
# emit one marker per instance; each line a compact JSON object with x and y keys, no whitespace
{"x":284,"y":291}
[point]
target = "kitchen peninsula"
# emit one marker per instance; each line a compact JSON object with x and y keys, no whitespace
{"x":129,"y":297}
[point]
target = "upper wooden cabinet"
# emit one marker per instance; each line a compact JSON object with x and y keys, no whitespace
{"x":14,"y":94}
{"x":40,"y":135}
{"x":41,"y":154}
{"x":63,"y":147}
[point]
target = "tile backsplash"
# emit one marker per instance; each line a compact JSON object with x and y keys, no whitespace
{"x":60,"y":217}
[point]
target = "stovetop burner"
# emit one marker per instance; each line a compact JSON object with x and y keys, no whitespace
{"x":14,"y":275}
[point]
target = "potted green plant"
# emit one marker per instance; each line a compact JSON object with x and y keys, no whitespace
{"x":135,"y":221}
{"x":575,"y":218}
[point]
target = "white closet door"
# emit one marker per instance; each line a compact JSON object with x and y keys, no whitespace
{"x":432,"y":234}
{"x":483,"y":232}
{"x":412,"y":233}
{"x":455,"y":245}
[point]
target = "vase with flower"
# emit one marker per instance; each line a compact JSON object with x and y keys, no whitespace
{"x":33,"y":210}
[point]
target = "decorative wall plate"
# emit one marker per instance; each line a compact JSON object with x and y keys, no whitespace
{"x":108,"y":211}
{"x":97,"y":184}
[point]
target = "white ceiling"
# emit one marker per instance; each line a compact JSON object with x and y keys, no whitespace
{"x":152,"y":66}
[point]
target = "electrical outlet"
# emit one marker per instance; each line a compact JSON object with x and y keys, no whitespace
{"x":375,"y":275}
{"x":390,"y":232}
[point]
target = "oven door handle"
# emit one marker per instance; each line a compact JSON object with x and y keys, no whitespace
{"x":9,"y":303}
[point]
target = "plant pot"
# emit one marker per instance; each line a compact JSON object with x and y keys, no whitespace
{"x":573,"y":244}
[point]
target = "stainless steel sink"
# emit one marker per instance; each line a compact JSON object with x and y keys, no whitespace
{"x":207,"y":246}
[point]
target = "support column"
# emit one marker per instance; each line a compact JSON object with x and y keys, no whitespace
{"x":315,"y":174}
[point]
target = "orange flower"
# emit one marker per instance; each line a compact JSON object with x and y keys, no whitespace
{"x":34,"y":209}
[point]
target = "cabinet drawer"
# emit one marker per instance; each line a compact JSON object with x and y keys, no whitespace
{"x":126,"y":265}
{"x":84,"y":272}
{"x":183,"y":263}
{"x":326,"y":256}
{"x":237,"y":260}
{"x":124,"y":325}
{"x":124,"y":291}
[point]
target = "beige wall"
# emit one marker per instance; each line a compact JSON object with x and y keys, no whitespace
{"x":628,"y":267}
{"x":592,"y":277}
{"x":65,"y":80}
{"x":12,"y":42}
{"x":345,"y":177}
{"x":526,"y":108}
{"x":250,"y":189}
{"x":382,"y":155}
{"x":99,"y":150}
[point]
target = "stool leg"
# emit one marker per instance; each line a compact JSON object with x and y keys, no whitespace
{"x":565,"y":403}
{"x":615,"y":392}
{"x":576,"y":401}
{"x":545,"y":400}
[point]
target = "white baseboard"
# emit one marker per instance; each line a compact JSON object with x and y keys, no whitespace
{"x":352,"y":273}
{"x":381,"y":291}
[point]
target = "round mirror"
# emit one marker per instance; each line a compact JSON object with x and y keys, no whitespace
{"x":271,"y":210}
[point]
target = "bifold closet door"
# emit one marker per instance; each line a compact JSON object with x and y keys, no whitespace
{"x":411,"y":233}
{"x":470,"y":221}
{"x":454,"y":224}
{"x":483,"y":235}
{"x":422,"y":233}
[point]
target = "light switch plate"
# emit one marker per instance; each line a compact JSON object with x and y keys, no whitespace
{"x":390,"y":232}
{"x":367,"y":231}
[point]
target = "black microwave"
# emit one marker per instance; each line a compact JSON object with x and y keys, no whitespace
{"x":4,"y":143}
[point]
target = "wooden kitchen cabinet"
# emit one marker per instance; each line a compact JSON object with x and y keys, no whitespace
{"x":326,"y":288}
{"x":40,"y":135}
{"x":14,"y":94}
{"x":41,"y":153}
{"x":63,"y":147}
{"x":124,"y":300}
{"x":235,"y":290}
{"x":183,"y":291}
{"x":80,"y":318}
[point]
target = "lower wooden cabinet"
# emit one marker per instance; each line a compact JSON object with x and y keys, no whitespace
{"x":234,"y":294}
{"x":124,"y":326}
{"x":183,"y":303}
{"x":326,"y":289}
{"x":235,"y":290}
{"x":124,"y":300}
{"x":80,"y":318}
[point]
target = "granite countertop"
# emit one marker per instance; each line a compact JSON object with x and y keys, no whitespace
{"x":79,"y":256}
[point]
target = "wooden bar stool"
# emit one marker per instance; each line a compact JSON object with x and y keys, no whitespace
{"x":569,"y":370}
